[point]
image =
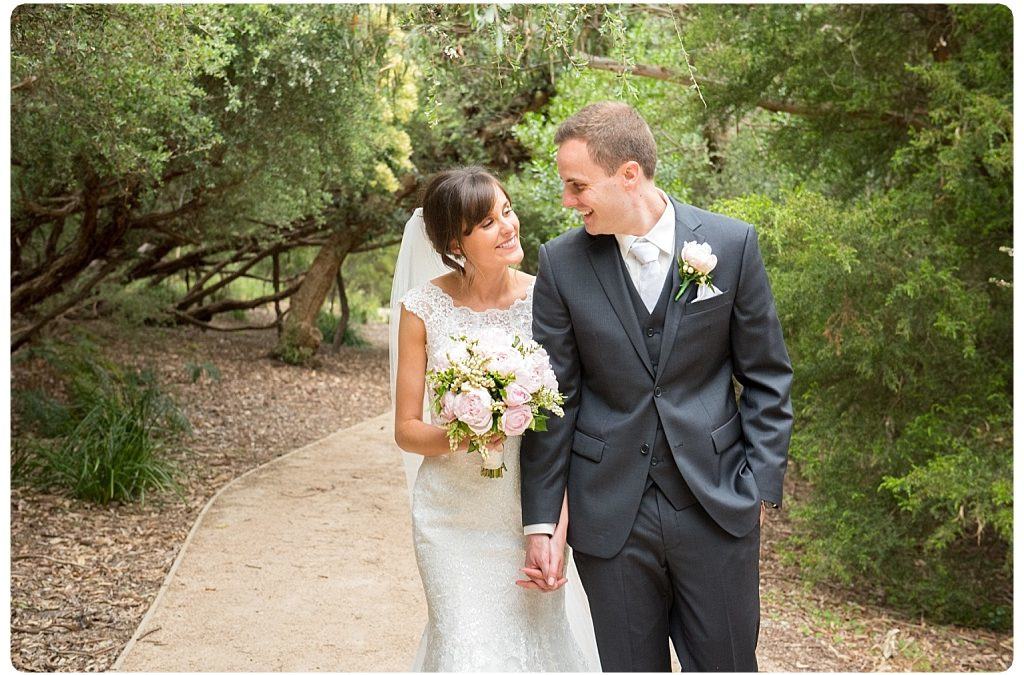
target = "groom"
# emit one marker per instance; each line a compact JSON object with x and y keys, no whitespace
{"x":667,"y":474}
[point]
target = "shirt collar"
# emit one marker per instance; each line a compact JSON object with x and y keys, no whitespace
{"x":662,"y":235}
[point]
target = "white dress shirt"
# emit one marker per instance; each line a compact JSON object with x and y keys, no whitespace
{"x":662,"y":235}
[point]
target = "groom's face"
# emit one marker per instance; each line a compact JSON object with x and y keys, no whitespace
{"x":600,"y":199}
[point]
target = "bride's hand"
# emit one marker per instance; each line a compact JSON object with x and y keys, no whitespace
{"x":495,"y":442}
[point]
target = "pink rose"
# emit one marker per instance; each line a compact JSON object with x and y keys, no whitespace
{"x":516,"y":420}
{"x":447,"y":408}
{"x":516,"y":395}
{"x":699,"y":257}
{"x":474,"y":408}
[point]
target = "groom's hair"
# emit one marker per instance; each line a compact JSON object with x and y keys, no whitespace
{"x":454,"y":203}
{"x":615,"y":133}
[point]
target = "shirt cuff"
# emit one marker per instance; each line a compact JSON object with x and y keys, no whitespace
{"x":539,"y":528}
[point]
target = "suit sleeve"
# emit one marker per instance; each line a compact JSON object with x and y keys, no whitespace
{"x":761,"y":364}
{"x":544,"y":458}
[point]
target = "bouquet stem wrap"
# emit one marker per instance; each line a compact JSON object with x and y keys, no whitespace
{"x":494,"y":464}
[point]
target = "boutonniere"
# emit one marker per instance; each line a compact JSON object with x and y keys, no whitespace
{"x":695,"y":264}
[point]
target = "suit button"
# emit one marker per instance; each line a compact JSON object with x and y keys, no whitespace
{"x":654,"y":461}
{"x":650,"y":332}
{"x":657,"y":392}
{"x":644,"y":449}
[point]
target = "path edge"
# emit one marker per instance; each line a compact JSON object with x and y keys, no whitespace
{"x":144,"y":623}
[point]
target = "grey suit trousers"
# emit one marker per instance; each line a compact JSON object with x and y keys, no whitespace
{"x":679,"y":576}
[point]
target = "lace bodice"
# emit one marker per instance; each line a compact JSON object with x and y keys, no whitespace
{"x":444,"y":319}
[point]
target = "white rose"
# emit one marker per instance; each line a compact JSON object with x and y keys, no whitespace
{"x":699,"y":256}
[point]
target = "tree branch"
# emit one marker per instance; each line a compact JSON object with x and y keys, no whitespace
{"x":185,"y":317}
{"x":25,"y":335}
{"x":378,"y":245}
{"x":913,"y":119}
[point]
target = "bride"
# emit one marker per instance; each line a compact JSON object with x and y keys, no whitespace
{"x":455,"y":276}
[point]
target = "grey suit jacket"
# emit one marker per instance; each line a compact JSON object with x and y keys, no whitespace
{"x":732,"y":456}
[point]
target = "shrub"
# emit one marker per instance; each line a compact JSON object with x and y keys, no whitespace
{"x":902,"y":401}
{"x":107,"y":441}
{"x":138,"y":303}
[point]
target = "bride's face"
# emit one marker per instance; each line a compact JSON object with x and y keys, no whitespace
{"x":494,"y":241}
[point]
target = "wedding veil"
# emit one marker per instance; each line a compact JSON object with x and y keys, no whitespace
{"x":417,"y":264}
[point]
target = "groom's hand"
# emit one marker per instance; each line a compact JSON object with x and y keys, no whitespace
{"x":539,"y":565}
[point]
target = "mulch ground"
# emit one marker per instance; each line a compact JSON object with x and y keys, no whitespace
{"x":83,"y":575}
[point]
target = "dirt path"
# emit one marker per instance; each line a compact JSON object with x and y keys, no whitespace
{"x":304,"y":564}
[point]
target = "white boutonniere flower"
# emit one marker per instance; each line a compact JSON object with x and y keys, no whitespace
{"x":696,"y":261}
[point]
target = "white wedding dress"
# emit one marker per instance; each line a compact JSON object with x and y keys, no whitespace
{"x":468,"y":537}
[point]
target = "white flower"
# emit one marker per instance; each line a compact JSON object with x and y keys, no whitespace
{"x":699,"y":257}
{"x":457,"y":352}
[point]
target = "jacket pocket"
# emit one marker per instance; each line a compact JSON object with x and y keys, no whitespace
{"x":727,"y":434}
{"x":707,"y":305}
{"x":587,"y":446}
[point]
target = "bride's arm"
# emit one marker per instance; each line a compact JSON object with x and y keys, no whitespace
{"x":412,"y":434}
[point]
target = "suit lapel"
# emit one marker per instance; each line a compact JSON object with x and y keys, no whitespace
{"x":687,"y":226}
{"x":606,"y":260}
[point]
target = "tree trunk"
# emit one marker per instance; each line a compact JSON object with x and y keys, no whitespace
{"x":301,"y":338}
{"x":339,"y":333}
{"x":277,"y":289}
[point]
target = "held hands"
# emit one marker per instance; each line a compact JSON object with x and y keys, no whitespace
{"x":545,"y":563}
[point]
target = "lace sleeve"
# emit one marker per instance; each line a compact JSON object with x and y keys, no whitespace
{"x":417,"y":302}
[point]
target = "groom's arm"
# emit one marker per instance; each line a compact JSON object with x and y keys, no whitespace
{"x":761,"y":364}
{"x":544,"y":460}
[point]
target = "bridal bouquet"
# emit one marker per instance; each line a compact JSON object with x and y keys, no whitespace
{"x":492,"y":386}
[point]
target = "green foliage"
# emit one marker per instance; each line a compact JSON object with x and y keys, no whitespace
{"x":138,"y":303}
{"x":108,"y":440}
{"x":904,"y":420}
{"x":368,"y":281}
{"x":224,"y":120}
{"x":294,"y":355}
{"x":327,"y":323}
{"x":196,"y":370}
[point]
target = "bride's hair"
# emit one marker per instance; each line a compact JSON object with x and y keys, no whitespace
{"x":454,"y":203}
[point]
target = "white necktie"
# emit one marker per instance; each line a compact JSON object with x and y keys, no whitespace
{"x":646,"y":254}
